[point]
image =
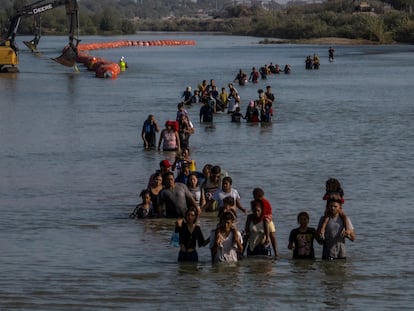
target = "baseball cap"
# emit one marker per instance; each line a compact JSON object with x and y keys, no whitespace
{"x":165,"y":163}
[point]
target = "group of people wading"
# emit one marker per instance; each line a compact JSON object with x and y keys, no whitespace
{"x":177,"y":132}
{"x":314,"y":62}
{"x":178,"y":190}
{"x":229,"y":100}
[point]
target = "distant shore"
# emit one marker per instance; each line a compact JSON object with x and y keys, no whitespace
{"x":322,"y":41}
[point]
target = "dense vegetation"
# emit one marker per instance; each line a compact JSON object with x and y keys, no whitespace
{"x":296,"y":20}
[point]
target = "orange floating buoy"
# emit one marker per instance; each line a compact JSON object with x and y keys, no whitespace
{"x":107,"y":70}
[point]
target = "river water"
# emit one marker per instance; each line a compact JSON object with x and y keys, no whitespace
{"x":72,"y":165}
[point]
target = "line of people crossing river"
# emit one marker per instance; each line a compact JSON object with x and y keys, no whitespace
{"x":211,"y":100}
{"x":177,"y":131}
{"x":179,"y":191}
{"x":228,"y":100}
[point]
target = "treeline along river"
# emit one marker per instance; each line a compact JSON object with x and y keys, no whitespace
{"x":72,"y":165}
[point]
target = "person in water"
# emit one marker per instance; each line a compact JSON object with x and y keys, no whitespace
{"x":182,"y":156}
{"x":196,"y":190}
{"x":308,"y":62}
{"x":254,"y":75}
{"x":316,"y":62}
{"x":252,"y":112}
{"x":226,"y":191}
{"x":190,"y":234}
{"x":154,"y":189}
{"x":258,"y":195}
{"x":145,"y":208}
{"x":331,"y":52}
{"x":187,"y":95}
{"x":165,"y":166}
{"x":184,"y":174}
{"x":223,"y":99}
{"x":169,"y":138}
{"x":211,"y":185}
{"x":123,"y":64}
{"x":332,"y":186}
{"x":241,"y":77}
{"x":175,"y":197}
{"x":226,"y":242}
{"x":149,"y":132}
{"x":237,"y":116}
{"x":256,"y":231}
{"x":185,"y":130}
{"x":228,"y":206}
{"x":287,"y":69}
{"x":301,"y":238}
{"x":335,"y":234}
{"x":206,"y":113}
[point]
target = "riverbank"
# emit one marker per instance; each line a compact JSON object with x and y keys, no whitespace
{"x":322,"y":41}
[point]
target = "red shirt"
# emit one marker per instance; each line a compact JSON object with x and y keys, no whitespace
{"x":267,"y":209}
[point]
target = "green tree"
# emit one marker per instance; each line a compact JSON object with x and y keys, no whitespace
{"x":109,"y":20}
{"x":128,"y":27}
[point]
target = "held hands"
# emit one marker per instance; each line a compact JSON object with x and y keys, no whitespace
{"x":219,"y":239}
{"x":179,"y":222}
{"x":321,"y":234}
{"x":347,"y":234}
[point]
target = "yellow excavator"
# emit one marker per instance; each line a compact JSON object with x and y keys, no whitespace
{"x":9,"y":52}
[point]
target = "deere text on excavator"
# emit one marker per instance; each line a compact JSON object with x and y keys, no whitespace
{"x":9,"y":52}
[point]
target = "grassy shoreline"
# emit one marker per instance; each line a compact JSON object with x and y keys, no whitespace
{"x":321,"y":41}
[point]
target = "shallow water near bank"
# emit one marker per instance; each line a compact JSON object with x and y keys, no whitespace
{"x":72,"y":165}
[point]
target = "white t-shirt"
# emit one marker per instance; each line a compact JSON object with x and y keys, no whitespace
{"x":219,"y":195}
{"x":232,"y":104}
{"x":227,"y":249}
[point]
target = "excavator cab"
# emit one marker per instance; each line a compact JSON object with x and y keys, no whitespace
{"x":8,"y":57}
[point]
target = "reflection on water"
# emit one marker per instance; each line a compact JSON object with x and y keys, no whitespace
{"x":335,"y":283}
{"x":72,"y":165}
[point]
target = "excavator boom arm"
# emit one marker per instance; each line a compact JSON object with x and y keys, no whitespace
{"x":40,"y":7}
{"x":34,"y":9}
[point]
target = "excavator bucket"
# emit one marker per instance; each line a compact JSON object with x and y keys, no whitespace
{"x":32,"y":45}
{"x":68,"y":57}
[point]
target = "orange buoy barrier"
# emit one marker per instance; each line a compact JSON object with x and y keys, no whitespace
{"x":125,"y":43}
{"x":107,"y":69}
{"x":102,"y":67}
